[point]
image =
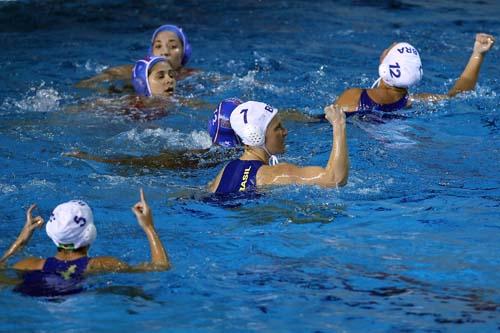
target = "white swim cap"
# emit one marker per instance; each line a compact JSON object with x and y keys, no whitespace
{"x":71,"y":225}
{"x":249,"y":121}
{"x":401,"y":67}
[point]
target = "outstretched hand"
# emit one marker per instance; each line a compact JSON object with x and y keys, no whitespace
{"x":334,"y":114}
{"x":143,"y":212}
{"x":483,"y":43}
{"x":32,"y":223}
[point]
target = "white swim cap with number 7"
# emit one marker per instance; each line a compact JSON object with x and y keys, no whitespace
{"x":250,"y":120}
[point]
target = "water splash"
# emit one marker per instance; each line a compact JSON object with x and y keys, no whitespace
{"x":249,"y":82}
{"x":92,"y":66}
{"x":7,"y":188}
{"x":38,"y":99}
{"x":160,"y":139}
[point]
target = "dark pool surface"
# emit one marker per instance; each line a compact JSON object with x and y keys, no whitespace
{"x":410,"y":244}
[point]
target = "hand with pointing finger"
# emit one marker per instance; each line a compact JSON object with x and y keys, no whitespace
{"x":143,"y":212}
{"x":159,"y":257}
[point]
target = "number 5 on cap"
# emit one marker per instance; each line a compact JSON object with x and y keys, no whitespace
{"x":79,"y":220}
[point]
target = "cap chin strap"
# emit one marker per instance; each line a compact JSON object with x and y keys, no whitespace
{"x":273,"y":160}
{"x":376,"y":83}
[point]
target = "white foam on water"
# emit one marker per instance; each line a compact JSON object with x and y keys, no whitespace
{"x":483,"y":92}
{"x":7,"y":188}
{"x":38,"y":99}
{"x":92,"y":66}
{"x":248,"y":81}
{"x":163,"y":138}
{"x":377,"y":185}
{"x":110,"y":179}
{"x":41,"y":183}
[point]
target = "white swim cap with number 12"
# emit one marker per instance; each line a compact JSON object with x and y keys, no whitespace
{"x":401,"y":67}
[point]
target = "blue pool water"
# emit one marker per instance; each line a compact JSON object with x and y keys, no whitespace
{"x":410,"y":244}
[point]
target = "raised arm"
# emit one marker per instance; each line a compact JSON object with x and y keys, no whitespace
{"x":468,"y":79}
{"x":159,"y":259}
{"x":336,"y":171}
{"x":31,"y":224}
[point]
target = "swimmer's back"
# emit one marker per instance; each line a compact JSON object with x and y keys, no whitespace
{"x":237,"y":176}
{"x":357,"y":99}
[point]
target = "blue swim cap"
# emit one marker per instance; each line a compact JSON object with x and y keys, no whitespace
{"x":140,"y":74}
{"x":219,"y":126}
{"x":186,"y":47}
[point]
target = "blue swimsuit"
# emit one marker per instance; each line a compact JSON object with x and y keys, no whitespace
{"x":239,"y":176}
{"x":56,"y":278}
{"x":366,"y":104}
{"x":74,"y":268}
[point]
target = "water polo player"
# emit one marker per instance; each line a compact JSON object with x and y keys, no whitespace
{"x":401,"y":68}
{"x":167,"y":41}
{"x":71,"y":228}
{"x":153,"y":76}
{"x":260,"y":130}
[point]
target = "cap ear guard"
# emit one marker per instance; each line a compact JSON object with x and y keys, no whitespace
{"x":383,"y":72}
{"x":140,"y":75}
{"x":252,"y":136}
{"x":140,"y":78}
{"x":186,"y":55}
{"x":249,"y":121}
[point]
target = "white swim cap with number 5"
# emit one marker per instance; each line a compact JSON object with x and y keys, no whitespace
{"x":71,"y":225}
{"x":250,"y":120}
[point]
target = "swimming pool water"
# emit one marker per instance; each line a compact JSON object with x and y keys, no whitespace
{"x":410,"y":244}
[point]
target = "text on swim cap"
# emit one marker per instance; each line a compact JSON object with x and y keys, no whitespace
{"x":407,"y":50}
{"x":268,"y":108}
{"x":79,"y":220}
{"x":81,"y":203}
{"x":244,"y":112}
{"x":396,"y":72}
